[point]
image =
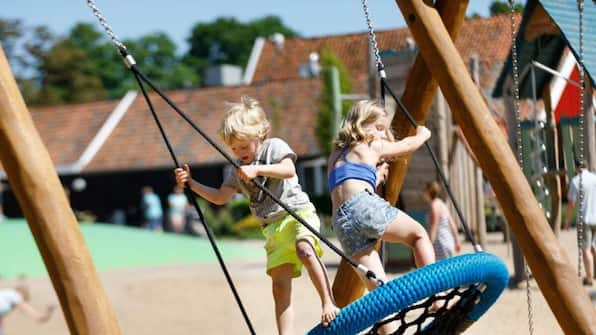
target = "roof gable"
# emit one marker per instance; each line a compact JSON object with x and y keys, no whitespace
{"x":565,"y":15}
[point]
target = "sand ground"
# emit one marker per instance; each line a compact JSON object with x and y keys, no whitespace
{"x":196,"y":299}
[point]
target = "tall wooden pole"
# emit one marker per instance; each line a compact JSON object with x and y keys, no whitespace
{"x":56,"y":231}
{"x":418,"y":97}
{"x":547,"y":259}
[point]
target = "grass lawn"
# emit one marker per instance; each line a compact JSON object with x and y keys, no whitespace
{"x":116,"y":247}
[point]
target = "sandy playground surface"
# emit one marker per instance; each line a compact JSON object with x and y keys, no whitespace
{"x":191,"y":299}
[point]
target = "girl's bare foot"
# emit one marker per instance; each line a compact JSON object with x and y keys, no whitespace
{"x":329,"y":313}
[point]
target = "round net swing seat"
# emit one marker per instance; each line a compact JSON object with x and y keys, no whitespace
{"x":442,"y":298}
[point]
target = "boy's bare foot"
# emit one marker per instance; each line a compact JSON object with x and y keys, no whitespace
{"x":329,"y":313}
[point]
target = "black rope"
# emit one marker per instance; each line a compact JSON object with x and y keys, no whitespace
{"x":435,"y":160}
{"x":189,"y":196}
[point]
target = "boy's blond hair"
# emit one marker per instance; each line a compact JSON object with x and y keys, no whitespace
{"x":244,"y":120}
{"x":362,"y":113}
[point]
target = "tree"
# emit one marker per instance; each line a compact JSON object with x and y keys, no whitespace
{"x":502,"y":7}
{"x":85,"y":66}
{"x":228,"y":41}
{"x":324,"y":128}
{"x":11,"y":30}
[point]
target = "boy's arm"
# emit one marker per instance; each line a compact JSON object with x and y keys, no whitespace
{"x":282,"y":170}
{"x":218,"y":196}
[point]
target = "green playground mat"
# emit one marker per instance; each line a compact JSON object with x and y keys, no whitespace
{"x":114,"y":247}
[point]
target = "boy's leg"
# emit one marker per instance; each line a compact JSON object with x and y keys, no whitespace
{"x":319,"y":277}
{"x":404,"y":229}
{"x":281,"y":280}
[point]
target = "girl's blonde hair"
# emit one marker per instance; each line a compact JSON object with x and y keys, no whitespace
{"x":362,"y":113}
{"x":244,"y":120}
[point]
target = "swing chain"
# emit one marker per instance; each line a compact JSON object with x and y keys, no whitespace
{"x":580,"y":64}
{"x":372,"y":38}
{"x":105,"y":25}
{"x":519,"y":145}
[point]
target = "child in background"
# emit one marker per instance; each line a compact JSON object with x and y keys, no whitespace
{"x":441,"y":227}
{"x":17,"y":298}
{"x":289,"y":245}
{"x":360,"y":216}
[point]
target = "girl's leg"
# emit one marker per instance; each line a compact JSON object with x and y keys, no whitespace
{"x":281,"y":280}
{"x":404,"y":229}
{"x":371,"y":259}
{"x":318,"y":275}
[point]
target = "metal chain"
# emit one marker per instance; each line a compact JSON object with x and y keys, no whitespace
{"x":580,"y":210}
{"x":105,"y":25}
{"x":519,"y":147}
{"x":372,"y":38}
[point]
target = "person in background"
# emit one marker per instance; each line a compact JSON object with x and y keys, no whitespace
{"x":152,"y":210}
{"x":441,"y":227}
{"x":17,"y":298}
{"x":177,"y":206}
{"x":588,"y":180}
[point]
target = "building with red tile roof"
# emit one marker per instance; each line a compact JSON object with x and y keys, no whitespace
{"x":119,"y":149}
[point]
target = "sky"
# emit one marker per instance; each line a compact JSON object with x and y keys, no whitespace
{"x":134,"y":18}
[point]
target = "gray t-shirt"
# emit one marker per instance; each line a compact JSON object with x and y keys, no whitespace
{"x":272,"y":151}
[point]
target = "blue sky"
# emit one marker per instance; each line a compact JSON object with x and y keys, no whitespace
{"x":133,"y":18}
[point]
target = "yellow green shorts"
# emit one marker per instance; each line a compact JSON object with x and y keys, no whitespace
{"x":281,"y":237}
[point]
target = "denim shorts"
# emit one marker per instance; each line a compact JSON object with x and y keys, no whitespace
{"x":361,"y":221}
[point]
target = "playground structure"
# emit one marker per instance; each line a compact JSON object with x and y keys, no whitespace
{"x":83,"y":300}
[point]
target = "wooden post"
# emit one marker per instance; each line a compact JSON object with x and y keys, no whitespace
{"x":56,"y":231}
{"x":547,"y":259}
{"x":418,"y":97}
{"x":552,"y":179}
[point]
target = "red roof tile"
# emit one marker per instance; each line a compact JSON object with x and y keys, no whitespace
{"x":487,"y":37}
{"x":67,"y":130}
{"x":137,"y":144}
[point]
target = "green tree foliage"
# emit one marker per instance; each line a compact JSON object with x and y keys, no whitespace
{"x":502,"y":7}
{"x":68,"y":76}
{"x":85,"y":66}
{"x":228,"y":41}
{"x":11,"y":30}
{"x":324,"y":127}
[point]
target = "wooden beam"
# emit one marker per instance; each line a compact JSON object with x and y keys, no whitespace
{"x":419,"y":94}
{"x":56,"y":231}
{"x":418,"y":97}
{"x":547,"y":259}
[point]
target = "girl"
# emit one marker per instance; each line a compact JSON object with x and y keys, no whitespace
{"x":360,"y":217}
{"x":441,"y":227}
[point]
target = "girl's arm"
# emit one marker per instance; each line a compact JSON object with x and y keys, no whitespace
{"x":454,"y":232}
{"x":282,"y":170}
{"x":35,"y":314}
{"x":407,"y":145}
{"x":434,"y":221}
{"x":218,"y":196}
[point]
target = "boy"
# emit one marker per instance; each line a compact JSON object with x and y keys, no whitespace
{"x":288,"y":244}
